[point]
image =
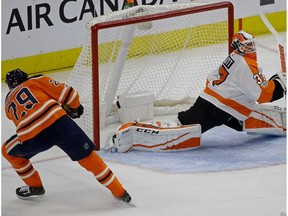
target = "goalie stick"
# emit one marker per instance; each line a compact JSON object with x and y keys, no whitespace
{"x":280,"y":41}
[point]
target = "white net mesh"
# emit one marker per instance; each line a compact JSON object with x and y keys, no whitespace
{"x":169,"y":57}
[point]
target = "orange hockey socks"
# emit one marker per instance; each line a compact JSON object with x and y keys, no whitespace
{"x":24,"y":169}
{"x":103,"y":174}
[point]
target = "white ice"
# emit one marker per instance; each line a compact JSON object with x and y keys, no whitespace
{"x":231,"y":179}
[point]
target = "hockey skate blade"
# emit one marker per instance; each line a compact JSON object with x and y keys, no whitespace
{"x":131,"y":204}
{"x":122,"y":204}
{"x":33,"y":198}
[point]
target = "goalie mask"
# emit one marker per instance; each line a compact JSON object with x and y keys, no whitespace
{"x":15,"y":77}
{"x":243,"y":42}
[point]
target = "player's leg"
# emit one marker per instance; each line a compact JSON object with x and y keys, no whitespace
{"x":156,"y":136}
{"x":80,"y":148}
{"x":266,"y":119}
{"x":24,"y":168}
{"x":204,"y":113}
{"x":104,"y":175}
{"x":235,"y":124}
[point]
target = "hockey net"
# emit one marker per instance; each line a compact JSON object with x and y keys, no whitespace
{"x":167,"y":50}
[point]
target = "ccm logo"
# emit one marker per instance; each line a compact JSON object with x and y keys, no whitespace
{"x":279,"y":108}
{"x":145,"y":130}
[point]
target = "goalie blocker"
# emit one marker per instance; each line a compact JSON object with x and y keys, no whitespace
{"x":153,"y":137}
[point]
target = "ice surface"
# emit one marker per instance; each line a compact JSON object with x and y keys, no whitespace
{"x":221,"y":149}
{"x":231,"y":174}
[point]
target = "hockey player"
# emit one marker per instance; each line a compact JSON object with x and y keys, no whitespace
{"x":233,"y":90}
{"x":233,"y":97}
{"x":42,"y":110}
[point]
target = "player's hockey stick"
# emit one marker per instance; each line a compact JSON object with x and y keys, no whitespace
{"x":280,"y":41}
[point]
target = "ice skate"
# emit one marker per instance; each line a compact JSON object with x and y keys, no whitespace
{"x":126,"y":197}
{"x":27,"y":193}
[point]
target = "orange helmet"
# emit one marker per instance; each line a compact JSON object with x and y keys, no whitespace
{"x":243,"y":42}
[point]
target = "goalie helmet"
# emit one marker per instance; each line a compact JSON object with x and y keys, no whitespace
{"x":15,"y":77}
{"x":243,"y":42}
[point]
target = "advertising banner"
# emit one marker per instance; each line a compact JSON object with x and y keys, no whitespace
{"x":35,"y":27}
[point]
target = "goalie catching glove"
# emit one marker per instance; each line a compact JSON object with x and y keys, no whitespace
{"x":73,"y":113}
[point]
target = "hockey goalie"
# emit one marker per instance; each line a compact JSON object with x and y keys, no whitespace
{"x":236,"y":95}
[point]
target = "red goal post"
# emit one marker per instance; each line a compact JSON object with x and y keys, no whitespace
{"x":137,"y":19}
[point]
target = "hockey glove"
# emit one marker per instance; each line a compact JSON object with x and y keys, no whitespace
{"x":280,"y":88}
{"x":276,"y":78}
{"x":73,"y":113}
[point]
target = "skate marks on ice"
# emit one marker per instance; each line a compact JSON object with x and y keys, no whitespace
{"x":70,"y":190}
{"x":222,"y":149}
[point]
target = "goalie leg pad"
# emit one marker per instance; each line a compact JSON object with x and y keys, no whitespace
{"x":148,"y":137}
{"x":266,"y":119}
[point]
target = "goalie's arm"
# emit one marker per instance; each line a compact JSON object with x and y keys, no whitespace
{"x":271,"y":91}
{"x":279,"y":87}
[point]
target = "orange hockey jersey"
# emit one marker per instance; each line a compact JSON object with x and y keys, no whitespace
{"x":237,"y":85}
{"x":36,"y":104}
